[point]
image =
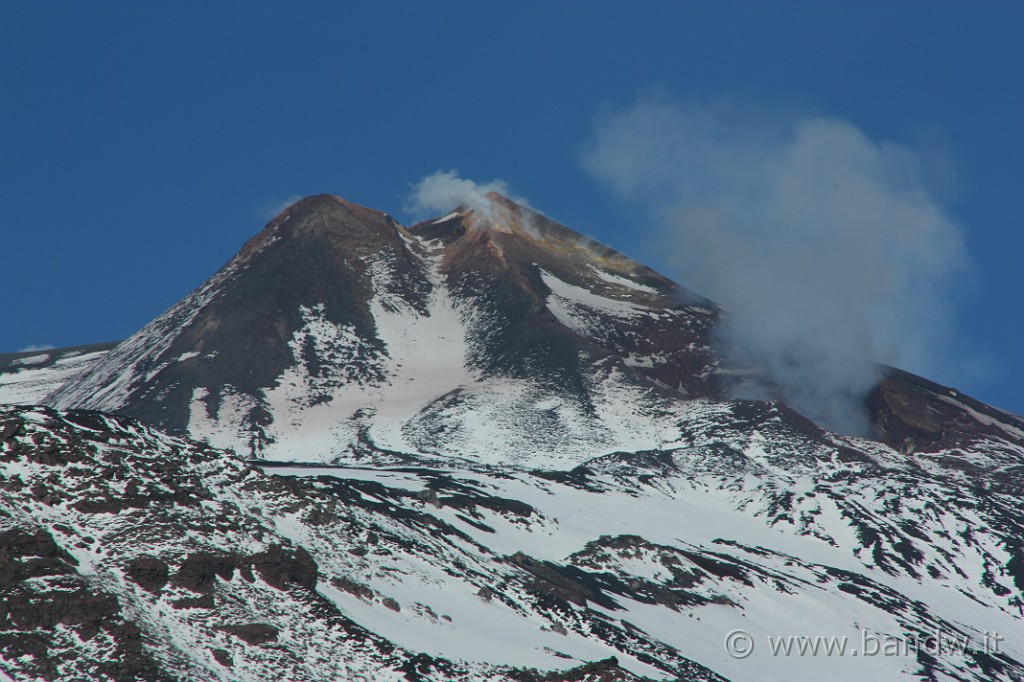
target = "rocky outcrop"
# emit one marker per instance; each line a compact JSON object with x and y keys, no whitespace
{"x":149,"y":572}
{"x":40,"y":591}
{"x":252,"y":633}
{"x":280,"y":567}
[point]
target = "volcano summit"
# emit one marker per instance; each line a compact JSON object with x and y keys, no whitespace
{"x":498,"y":336}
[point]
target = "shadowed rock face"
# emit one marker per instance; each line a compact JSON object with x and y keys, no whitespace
{"x":299,"y":311}
{"x":910,"y":413}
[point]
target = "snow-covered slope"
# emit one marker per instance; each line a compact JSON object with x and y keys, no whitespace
{"x":128,"y":554}
{"x":26,"y":378}
{"x":131,"y":554}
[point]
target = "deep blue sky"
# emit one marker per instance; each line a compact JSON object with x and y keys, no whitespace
{"x":142,"y":143}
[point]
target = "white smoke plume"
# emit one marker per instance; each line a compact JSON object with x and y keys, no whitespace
{"x":825,"y":247}
{"x":274,"y":207}
{"x":444,"y":190}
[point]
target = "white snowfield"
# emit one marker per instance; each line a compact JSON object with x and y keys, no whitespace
{"x":30,"y":379}
{"x":792,"y":579}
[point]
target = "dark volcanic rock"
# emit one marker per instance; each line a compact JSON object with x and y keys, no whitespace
{"x":25,"y":554}
{"x":911,"y":414}
{"x":149,"y":572}
{"x":253,"y":633}
{"x":10,"y":428}
{"x":198,"y":571}
{"x":40,"y":590}
{"x":280,"y":567}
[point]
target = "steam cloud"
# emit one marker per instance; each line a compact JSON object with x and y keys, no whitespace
{"x":445,"y":190}
{"x":826,"y":248}
{"x":273,"y":208}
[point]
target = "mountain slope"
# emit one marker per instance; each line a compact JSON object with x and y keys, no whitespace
{"x":337,"y":331}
